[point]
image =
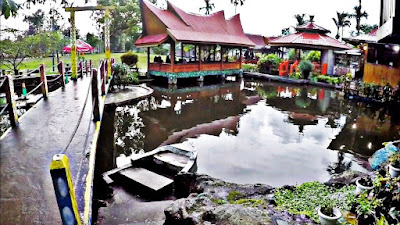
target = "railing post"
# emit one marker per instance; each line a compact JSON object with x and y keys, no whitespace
{"x":86,"y":68}
{"x":43,"y":79}
{"x":12,"y":104}
{"x":103,"y":78}
{"x":105,"y":68}
{"x":96,"y":95}
{"x":81,"y":66}
{"x":90,"y":66}
{"x":61,"y":70}
{"x":64,"y":189}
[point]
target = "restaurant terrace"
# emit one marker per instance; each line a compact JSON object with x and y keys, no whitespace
{"x":198,"y":45}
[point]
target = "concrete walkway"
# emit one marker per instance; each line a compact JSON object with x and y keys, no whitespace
{"x":26,"y":189}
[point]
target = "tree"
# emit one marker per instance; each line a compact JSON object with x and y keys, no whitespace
{"x":93,"y":40}
{"x":300,"y":19}
{"x":14,"y":53}
{"x":285,"y":31}
{"x":237,"y":2}
{"x":35,"y":21}
{"x":341,"y":21}
{"x":8,"y":8}
{"x":358,"y":15}
{"x":209,"y":6}
{"x":125,"y":22}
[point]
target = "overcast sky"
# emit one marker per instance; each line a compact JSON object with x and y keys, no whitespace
{"x":266,"y":17}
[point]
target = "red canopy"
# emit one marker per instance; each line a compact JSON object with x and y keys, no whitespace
{"x":81,"y":46}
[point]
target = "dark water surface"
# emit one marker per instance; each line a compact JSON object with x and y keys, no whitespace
{"x":259,"y":132}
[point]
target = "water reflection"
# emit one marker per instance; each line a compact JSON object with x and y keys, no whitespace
{"x":259,"y":132}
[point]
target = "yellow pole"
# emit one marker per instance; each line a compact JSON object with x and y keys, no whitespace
{"x":64,"y":189}
{"x":107,"y":41}
{"x":73,"y":47}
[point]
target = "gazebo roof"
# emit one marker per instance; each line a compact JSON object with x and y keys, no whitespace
{"x":312,"y":27}
{"x":309,"y":36}
{"x":186,"y":27}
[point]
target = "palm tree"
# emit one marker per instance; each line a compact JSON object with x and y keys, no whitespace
{"x":209,"y":6}
{"x":300,"y":19}
{"x":236,"y":3}
{"x":358,"y":15}
{"x":341,"y":22}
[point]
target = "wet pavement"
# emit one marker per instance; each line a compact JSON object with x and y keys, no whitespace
{"x":26,"y":190}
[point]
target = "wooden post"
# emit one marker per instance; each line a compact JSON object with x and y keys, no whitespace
{"x":240,"y":57}
{"x":222,"y":57}
{"x":148,"y":62}
{"x":81,"y":67}
{"x":103,"y":78}
{"x":86,"y":67}
{"x":90,"y":66}
{"x":182,"y":51}
{"x":172,"y":55}
{"x":96,"y":95}
{"x":12,"y":105}
{"x":61,"y":70}
{"x":74,"y":73}
{"x":200,"y":58}
{"x":195,"y":53}
{"x":43,"y":79}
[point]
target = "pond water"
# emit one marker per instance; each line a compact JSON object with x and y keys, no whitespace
{"x":259,"y":132}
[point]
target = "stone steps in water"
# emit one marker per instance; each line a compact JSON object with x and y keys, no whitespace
{"x":147,"y":178}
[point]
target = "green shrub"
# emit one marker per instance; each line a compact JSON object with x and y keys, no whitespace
{"x":306,"y":67}
{"x":249,"y":67}
{"x":129,"y":58}
{"x":292,"y":54}
{"x":267,"y":63}
{"x":123,"y":75}
{"x":314,"y":56}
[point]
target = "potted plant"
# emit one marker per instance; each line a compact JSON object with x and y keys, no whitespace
{"x":329,"y":215}
{"x":306,"y":67}
{"x":364,"y":184}
{"x":394,"y":166}
{"x":365,"y":210}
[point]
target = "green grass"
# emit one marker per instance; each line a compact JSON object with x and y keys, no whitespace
{"x":33,"y":63}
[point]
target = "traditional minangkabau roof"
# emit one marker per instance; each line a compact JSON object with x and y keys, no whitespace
{"x":258,"y":40}
{"x":191,"y":28}
{"x":309,"y":36}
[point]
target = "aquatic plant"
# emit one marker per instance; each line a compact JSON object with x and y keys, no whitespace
{"x":304,"y":199}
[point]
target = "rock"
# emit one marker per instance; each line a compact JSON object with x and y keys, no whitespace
{"x":345,"y":178}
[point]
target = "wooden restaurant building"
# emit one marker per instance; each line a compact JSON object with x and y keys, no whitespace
{"x":198,"y":45}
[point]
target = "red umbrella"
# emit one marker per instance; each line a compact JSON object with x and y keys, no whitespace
{"x":81,"y":46}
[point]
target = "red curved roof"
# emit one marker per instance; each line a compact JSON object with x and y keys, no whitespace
{"x":310,"y":40}
{"x":312,"y":27}
{"x":186,"y":27}
{"x":310,"y":36}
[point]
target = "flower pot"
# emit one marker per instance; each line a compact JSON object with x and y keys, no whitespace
{"x":393,"y":171}
{"x":361,"y":188}
{"x":328,"y":220}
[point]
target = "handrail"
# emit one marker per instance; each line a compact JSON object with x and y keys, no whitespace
{"x":34,"y":89}
{"x":4,"y":109}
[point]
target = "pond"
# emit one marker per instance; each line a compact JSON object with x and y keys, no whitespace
{"x":259,"y":132}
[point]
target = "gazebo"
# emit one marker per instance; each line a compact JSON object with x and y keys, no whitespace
{"x":313,"y":37}
{"x":208,"y":45}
